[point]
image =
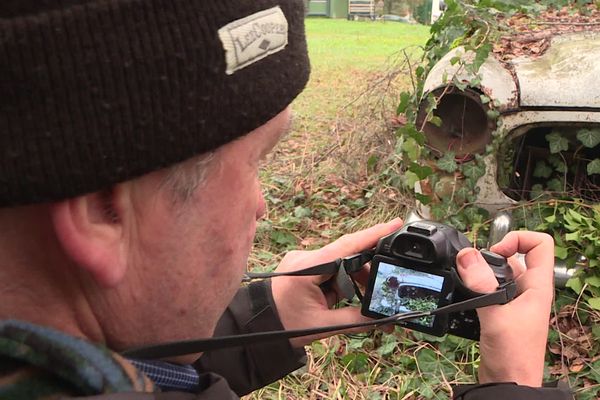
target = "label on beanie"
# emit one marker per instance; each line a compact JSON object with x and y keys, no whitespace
{"x":253,"y":38}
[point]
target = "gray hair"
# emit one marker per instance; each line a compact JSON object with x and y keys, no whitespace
{"x":185,"y":178}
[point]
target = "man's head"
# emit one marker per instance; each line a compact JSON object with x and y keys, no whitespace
{"x":129,"y":146}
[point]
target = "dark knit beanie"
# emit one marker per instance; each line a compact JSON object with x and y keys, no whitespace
{"x":97,"y":92}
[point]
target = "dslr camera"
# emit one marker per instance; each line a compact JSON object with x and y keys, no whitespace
{"x":414,"y":269}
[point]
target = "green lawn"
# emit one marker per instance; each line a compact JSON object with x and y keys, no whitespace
{"x":345,"y":54}
{"x":360,"y":45}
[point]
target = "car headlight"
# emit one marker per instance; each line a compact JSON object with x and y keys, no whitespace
{"x":465,"y":128}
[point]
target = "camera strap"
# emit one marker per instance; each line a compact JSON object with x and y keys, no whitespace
{"x":350,"y":264}
{"x":505,"y":293}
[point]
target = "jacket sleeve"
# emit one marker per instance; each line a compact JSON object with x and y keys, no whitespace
{"x":510,"y":390}
{"x":251,"y":367}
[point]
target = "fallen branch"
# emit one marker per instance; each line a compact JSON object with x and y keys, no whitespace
{"x":569,"y":23}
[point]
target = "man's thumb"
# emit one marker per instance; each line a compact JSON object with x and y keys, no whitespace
{"x":475,"y":272}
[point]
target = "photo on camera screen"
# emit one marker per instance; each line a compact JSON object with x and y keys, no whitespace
{"x":399,"y":289}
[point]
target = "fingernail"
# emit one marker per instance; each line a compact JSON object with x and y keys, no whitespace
{"x":468,"y":259}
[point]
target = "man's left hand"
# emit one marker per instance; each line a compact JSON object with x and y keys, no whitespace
{"x":302,"y":304}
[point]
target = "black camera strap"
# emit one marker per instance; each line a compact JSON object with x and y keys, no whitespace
{"x":350,"y":264}
{"x":505,"y":293}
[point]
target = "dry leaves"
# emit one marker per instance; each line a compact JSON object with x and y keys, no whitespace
{"x":576,"y":345}
{"x":531,"y":36}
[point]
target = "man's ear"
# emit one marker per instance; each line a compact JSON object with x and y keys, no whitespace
{"x":90,"y":231}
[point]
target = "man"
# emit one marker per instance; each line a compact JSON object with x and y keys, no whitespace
{"x":130,"y":133}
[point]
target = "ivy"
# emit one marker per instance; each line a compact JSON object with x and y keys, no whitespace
{"x":576,"y":230}
{"x":473,"y":171}
{"x":421,"y":171}
{"x":557,"y":142}
{"x":447,"y":162}
{"x":542,"y":170}
{"x":589,"y":137}
{"x":594,"y":167}
{"x":476,"y":26}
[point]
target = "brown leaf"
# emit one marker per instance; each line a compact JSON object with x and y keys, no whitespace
{"x":309,"y":242}
{"x":577,"y":366}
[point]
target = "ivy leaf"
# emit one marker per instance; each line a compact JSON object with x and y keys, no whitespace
{"x":594,"y":303}
{"x":435,"y":120}
{"x":302,"y":212}
{"x":492,"y":114}
{"x":476,"y":214}
{"x":423,"y":199}
{"x":458,"y":222}
{"x":572,"y":215}
{"x":404,"y":102}
{"x":575,"y":284}
{"x":283,"y":238}
{"x":594,"y":167}
{"x":421,"y":171}
{"x":481,"y":55}
{"x":537,"y":190}
{"x":388,"y":345}
{"x":411,"y":148}
{"x":593,"y":281}
{"x":557,"y":163}
{"x":447,"y":163}
{"x":589,"y":137}
{"x":542,"y":170}
{"x":475,"y":81}
{"x":560,"y":252}
{"x":460,"y":85}
{"x":473,"y":170}
{"x":555,"y":185}
{"x":356,"y":362}
{"x":410,"y":179}
{"x":463,"y":194}
{"x":596,"y":332}
{"x":410,"y":130}
{"x":372,"y":162}
{"x":572,"y":236}
{"x":428,"y":361}
{"x":557,"y":142}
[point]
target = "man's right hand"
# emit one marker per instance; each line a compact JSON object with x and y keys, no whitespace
{"x":514,"y":335}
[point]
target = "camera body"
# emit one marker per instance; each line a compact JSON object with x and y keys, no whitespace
{"x":414,"y":269}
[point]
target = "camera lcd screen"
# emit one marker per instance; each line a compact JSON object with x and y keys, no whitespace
{"x":397,"y":289}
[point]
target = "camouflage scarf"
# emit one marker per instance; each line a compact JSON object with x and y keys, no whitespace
{"x":38,"y":362}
